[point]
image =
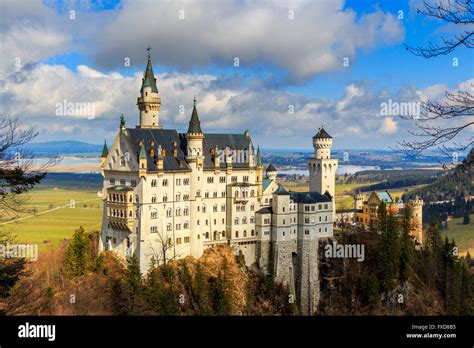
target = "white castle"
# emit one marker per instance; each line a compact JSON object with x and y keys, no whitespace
{"x":168,"y":195}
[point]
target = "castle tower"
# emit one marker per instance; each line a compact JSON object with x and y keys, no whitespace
{"x":416,"y":206}
{"x":259,"y":174}
{"x":149,"y":101}
{"x":103,"y":157}
{"x":358,"y":201}
{"x":195,"y":159}
{"x":271,"y":172}
{"x":322,"y":169}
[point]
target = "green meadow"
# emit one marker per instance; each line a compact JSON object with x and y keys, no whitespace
{"x":47,"y":219}
{"x":463,"y":235}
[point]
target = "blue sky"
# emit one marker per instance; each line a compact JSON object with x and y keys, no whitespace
{"x":283,"y":62}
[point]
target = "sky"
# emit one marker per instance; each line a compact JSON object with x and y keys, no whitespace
{"x":302,"y":64}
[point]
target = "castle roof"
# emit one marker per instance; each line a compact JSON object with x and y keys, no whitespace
{"x":271,"y":168}
{"x":194,"y":123}
{"x":259,"y":158}
{"x":171,"y":140}
{"x":149,"y":79}
{"x":266,"y":182}
{"x":105,"y":151}
{"x":281,"y":191}
{"x":322,"y":134}
{"x":309,"y":197}
{"x":385,"y":197}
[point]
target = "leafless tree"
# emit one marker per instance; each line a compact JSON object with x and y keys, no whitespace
{"x":19,"y":169}
{"x":166,"y":250}
{"x":457,"y":108}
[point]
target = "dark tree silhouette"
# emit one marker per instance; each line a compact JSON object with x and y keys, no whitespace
{"x":457,"y":108}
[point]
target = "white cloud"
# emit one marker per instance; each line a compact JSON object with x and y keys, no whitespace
{"x":389,"y":126}
{"x":257,"y":32}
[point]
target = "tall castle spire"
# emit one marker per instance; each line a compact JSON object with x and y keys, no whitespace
{"x":149,"y":101}
{"x":194,"y":123}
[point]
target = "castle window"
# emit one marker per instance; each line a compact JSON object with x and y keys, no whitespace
{"x":306,"y":208}
{"x":206,"y":195}
{"x":153,"y":183}
{"x":283,"y":209}
{"x":325,"y":206}
{"x":154,"y":229}
{"x":246,"y":178}
{"x":320,"y":206}
{"x":252,"y":233}
{"x":306,"y":232}
{"x":245,"y":233}
{"x":313,"y":208}
{"x":186,"y":197}
{"x":222,"y":179}
{"x":223,"y":194}
{"x":137,"y":199}
{"x":165,"y":182}
{"x":178,"y":240}
{"x":112,"y":181}
{"x":266,"y":221}
{"x":165,"y":198}
{"x":223,"y":207}
{"x":186,"y":225}
{"x":207,"y":222}
{"x":178,"y":182}
{"x":214,"y":194}
{"x":186,"y":211}
{"x":252,"y":193}
{"x":178,"y":197}
{"x":168,"y":227}
{"x":326,"y":218}
{"x":178,"y":227}
{"x":244,"y":220}
{"x":214,"y":208}
{"x":186,"y":239}
{"x":178,"y":212}
{"x":236,"y":193}
{"x":154,"y":214}
{"x":169,"y":212}
{"x":186,"y":181}
{"x":215,"y":221}
{"x":233,"y":178}
{"x":325,"y":229}
{"x":284,"y":221}
{"x":133,"y":182}
{"x":252,"y":207}
{"x":236,"y":221}
{"x":236,"y":234}
{"x":252,"y":220}
{"x":207,"y":235}
{"x":210,"y":179}
{"x":203,"y":208}
{"x":237,"y":208}
{"x":320,"y":218}
{"x":283,"y":233}
{"x":266,"y":233}
{"x":306,"y":220}
{"x":223,"y":221}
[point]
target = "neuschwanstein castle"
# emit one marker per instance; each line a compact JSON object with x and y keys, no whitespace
{"x":168,"y":195}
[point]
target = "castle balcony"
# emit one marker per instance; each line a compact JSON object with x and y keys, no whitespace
{"x":120,"y":223}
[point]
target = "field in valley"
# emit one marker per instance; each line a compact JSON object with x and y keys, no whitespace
{"x":47,"y":218}
{"x":462,"y":234}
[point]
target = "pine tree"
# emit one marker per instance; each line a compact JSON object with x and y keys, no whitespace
{"x":407,"y":246}
{"x":77,"y":255}
{"x":467,"y":219}
{"x":201,"y":291}
{"x":223,"y":303}
{"x":389,"y":253}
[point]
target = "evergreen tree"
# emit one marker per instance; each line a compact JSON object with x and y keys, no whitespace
{"x":467,"y":219}
{"x":201,"y":292}
{"x":406,"y":245}
{"x":223,"y":305}
{"x":389,"y":252}
{"x":77,"y":255}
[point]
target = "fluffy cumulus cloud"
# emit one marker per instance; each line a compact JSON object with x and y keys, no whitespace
{"x":303,"y":38}
{"x":276,"y":118}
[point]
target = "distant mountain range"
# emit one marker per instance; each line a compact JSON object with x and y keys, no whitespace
{"x":65,"y":147}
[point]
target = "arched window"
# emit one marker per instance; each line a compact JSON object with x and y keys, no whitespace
{"x":236,"y":193}
{"x":252,"y":193}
